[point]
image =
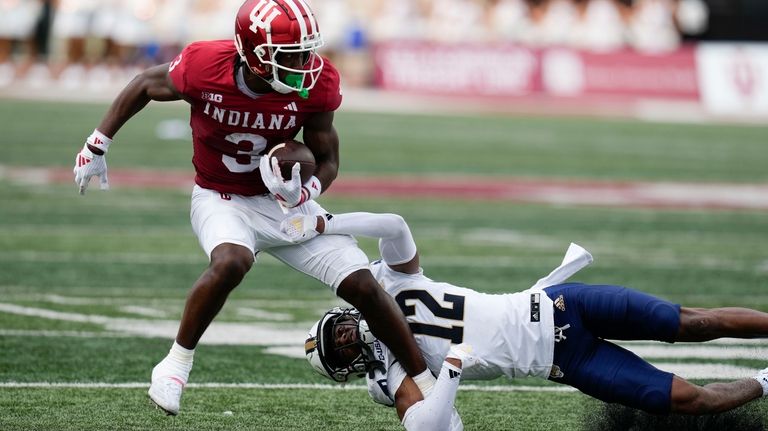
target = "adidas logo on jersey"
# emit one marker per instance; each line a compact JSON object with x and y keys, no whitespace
{"x":291,"y":107}
{"x":453,"y":374}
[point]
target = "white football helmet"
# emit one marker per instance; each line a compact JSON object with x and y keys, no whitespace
{"x":264,"y":29}
{"x":321,"y":349}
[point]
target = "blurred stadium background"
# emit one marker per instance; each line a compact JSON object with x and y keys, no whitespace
{"x":664,"y":59}
{"x":500,"y":129}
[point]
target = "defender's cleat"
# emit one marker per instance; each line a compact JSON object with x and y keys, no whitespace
{"x":762,"y":378}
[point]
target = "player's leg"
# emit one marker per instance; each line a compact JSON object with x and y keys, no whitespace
{"x":613,"y":374}
{"x":606,"y":371}
{"x":597,"y":367}
{"x":703,"y":324}
{"x":687,"y":398}
{"x":620,"y":313}
{"x":384,"y":317}
{"x":229,"y":264}
{"x":337,"y":261}
{"x":221,"y":225}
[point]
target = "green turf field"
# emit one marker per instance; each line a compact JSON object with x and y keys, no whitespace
{"x":91,"y":288}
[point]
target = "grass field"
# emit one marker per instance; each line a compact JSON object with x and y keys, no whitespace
{"x":91,"y":288}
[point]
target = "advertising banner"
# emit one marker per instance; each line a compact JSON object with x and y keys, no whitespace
{"x":465,"y":70}
{"x":513,"y":70}
{"x":734,"y":78}
{"x":567,"y":72}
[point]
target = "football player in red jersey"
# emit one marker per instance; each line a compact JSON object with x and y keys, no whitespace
{"x":245,"y":96}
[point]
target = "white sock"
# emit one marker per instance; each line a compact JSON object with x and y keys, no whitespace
{"x":425,"y":381}
{"x":762,"y":378}
{"x":181,"y":357}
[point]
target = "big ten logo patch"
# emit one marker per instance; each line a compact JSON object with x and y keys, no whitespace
{"x":213,"y":97}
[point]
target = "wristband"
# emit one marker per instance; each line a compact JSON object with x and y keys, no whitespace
{"x":99,"y":141}
{"x":313,"y":188}
{"x":425,"y":381}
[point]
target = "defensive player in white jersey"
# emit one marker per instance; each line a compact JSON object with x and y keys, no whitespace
{"x":247,"y":95}
{"x":554,"y":330}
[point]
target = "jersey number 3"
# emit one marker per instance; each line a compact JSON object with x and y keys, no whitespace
{"x":454,"y":312}
{"x":249,"y":146}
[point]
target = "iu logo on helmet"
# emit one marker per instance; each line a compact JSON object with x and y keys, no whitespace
{"x":263,"y":14}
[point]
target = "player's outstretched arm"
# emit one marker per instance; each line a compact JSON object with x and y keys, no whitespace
{"x":152,"y":84}
{"x":437,"y":411}
{"x":396,"y":243}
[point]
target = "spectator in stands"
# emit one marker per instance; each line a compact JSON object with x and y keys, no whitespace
{"x":692,"y":17}
{"x":652,"y":26}
{"x":508,"y":20}
{"x":398,"y":19}
{"x":18,"y":20}
{"x":211,"y":19}
{"x":346,"y":36}
{"x":599,"y":26}
{"x":170,"y":29}
{"x":76,"y":23}
{"x":132,"y":31}
{"x":456,"y":21}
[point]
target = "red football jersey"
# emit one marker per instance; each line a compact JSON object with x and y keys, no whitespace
{"x":232,"y":127}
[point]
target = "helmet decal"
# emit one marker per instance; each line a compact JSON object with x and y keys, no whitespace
{"x":262,"y":17}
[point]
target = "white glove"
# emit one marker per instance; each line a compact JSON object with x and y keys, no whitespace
{"x":88,"y":164}
{"x":300,"y":228}
{"x":289,"y":193}
{"x":465,"y":353}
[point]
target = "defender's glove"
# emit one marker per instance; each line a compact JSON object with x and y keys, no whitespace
{"x":300,"y":228}
{"x":465,"y":353}
{"x":88,"y":164}
{"x":290,"y":193}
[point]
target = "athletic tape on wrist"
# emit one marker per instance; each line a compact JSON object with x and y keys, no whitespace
{"x":99,"y":140}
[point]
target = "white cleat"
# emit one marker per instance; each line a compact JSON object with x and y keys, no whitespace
{"x":762,"y":378}
{"x":165,"y":390}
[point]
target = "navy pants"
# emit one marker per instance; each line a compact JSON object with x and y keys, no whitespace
{"x":584,"y":359}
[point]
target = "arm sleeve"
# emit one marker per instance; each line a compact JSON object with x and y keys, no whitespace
{"x":395,"y":239}
{"x":437,"y":412}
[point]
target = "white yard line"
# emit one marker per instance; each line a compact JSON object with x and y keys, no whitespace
{"x":282,"y":340}
{"x":143,"y":385}
{"x":56,"y":334}
{"x":668,"y":260}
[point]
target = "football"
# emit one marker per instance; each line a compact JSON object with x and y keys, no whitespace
{"x":290,"y":152}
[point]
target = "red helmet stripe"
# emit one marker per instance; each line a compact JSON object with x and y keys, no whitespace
{"x":299,"y":18}
{"x":310,"y":17}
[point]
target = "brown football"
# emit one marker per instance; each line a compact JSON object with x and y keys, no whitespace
{"x":290,"y":152}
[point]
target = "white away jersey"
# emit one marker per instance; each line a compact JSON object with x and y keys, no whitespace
{"x":513,"y":333}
